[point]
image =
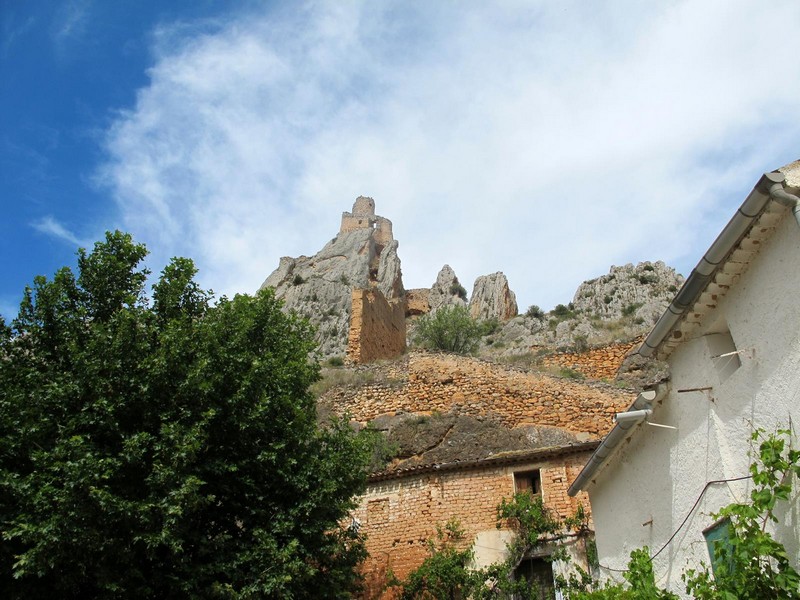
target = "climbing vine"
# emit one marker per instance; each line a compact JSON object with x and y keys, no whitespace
{"x":751,"y":563}
{"x":448,"y":570}
{"x":748,"y":563}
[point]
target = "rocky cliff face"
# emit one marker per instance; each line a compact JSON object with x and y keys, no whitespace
{"x":320,"y":287}
{"x":618,"y":306}
{"x":642,"y":291}
{"x":446,"y":290}
{"x":492,"y":298}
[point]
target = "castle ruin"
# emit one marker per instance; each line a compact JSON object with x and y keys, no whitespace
{"x":363,"y":217}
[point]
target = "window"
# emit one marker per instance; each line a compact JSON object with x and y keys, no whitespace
{"x":538,"y":573}
{"x":724,"y":354}
{"x":528,"y":481}
{"x":718,"y":537}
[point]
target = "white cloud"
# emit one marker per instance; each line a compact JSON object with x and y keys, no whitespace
{"x":547,"y":140}
{"x":50,"y":226}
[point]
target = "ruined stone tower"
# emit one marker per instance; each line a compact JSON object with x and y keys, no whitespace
{"x":363,"y":217}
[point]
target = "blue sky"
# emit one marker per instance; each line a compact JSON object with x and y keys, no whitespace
{"x":546,"y":140}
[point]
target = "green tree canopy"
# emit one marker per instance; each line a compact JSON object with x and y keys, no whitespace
{"x":167,"y":448}
{"x":450,"y":328}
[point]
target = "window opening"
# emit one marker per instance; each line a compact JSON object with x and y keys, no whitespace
{"x":718,"y":535}
{"x":724,"y":354}
{"x":528,"y":481}
{"x":538,"y":574}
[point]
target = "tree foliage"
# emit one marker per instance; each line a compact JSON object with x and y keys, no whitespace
{"x":167,"y":448}
{"x":445,"y":573}
{"x":451,"y":329}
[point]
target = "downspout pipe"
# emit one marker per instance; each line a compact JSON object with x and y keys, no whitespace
{"x":634,"y":416}
{"x":769,"y":186}
{"x":781,"y":196}
{"x":638,"y":411}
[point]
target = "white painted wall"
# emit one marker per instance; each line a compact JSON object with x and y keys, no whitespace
{"x":644,"y":493}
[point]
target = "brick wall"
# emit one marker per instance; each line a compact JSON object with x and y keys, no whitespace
{"x":377,"y":327}
{"x":400,"y":515}
{"x":428,"y":382}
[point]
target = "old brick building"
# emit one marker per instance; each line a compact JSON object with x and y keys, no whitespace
{"x":402,"y":508}
{"x":560,"y":421}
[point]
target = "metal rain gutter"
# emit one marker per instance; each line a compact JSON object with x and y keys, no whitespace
{"x":642,"y":405}
{"x":770,"y":186}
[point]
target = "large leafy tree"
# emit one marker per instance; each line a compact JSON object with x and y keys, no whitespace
{"x":167,"y":448}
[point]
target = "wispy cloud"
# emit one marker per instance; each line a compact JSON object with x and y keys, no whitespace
{"x":546,"y":140}
{"x":71,"y":20}
{"x":13,"y":30}
{"x":49,"y":226}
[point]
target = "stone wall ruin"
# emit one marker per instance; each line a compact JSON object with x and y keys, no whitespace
{"x":377,"y":327}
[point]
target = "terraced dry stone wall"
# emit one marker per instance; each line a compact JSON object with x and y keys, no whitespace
{"x":597,"y":363}
{"x":432,"y":382}
{"x":377,"y":327}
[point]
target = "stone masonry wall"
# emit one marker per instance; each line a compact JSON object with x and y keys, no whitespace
{"x":597,"y":363}
{"x":400,"y":515}
{"x":429,"y":382}
{"x":417,"y":302}
{"x":377,"y":327}
{"x":351,"y":222}
{"x":383,"y":231}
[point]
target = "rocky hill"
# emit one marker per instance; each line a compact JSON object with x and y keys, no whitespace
{"x":614,"y":307}
{"x":619,"y":306}
{"x":362,"y":255}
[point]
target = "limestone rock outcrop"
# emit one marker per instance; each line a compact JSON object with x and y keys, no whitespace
{"x":492,"y":298}
{"x":447,"y":290}
{"x":639,"y":290}
{"x":619,"y":306}
{"x":362,"y":255}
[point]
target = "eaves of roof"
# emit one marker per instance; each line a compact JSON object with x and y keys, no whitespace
{"x":727,"y":258}
{"x":506,"y":458}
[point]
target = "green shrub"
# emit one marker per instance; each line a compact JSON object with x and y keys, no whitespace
{"x":645,"y":279}
{"x":298,"y":280}
{"x":631,"y":308}
{"x":580,"y":343}
{"x":490,"y":326}
{"x":335,"y":361}
{"x":458,"y":290}
{"x":534,"y":312}
{"x":563,"y":311}
{"x":570,"y":373}
{"x":451,"y":328}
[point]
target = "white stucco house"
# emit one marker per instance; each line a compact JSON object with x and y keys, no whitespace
{"x":731,"y":338}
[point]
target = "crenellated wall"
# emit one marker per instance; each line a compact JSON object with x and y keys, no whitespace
{"x":363,"y":217}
